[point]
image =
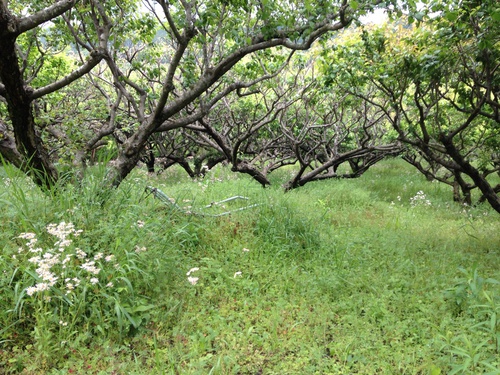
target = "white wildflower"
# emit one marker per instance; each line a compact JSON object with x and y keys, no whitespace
{"x":80,"y":254}
{"x":63,"y":244}
{"x":192,"y":270}
{"x":35,"y":260}
{"x":419,"y":200}
{"x":193,"y":280}
{"x":48,"y":276}
{"x":61,"y":230}
{"x":40,"y":287}
{"x":31,"y":242}
{"x":90,"y":267}
{"x":236,"y":274}
{"x":27,"y":236}
{"x":140,"y":249}
{"x":67,"y":258}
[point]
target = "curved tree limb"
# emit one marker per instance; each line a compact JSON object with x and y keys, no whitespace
{"x":30,"y":22}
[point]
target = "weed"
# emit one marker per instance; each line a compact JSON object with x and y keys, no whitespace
{"x":327,"y":279}
{"x":474,"y":348}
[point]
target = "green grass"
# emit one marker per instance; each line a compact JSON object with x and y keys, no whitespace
{"x":341,"y":277}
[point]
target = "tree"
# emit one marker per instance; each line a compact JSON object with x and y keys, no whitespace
{"x":438,"y":89}
{"x":284,"y":119}
{"x":237,"y":128}
{"x":29,"y":153}
{"x":194,"y":44}
{"x":327,"y":127}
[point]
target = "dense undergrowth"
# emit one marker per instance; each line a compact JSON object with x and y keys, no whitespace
{"x":378,"y":275}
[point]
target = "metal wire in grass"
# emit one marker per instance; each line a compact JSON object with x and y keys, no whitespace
{"x":158,"y":194}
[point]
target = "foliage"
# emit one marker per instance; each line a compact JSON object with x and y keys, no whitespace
{"x":478,"y":348}
{"x":330,"y":278}
{"x":175,"y":82}
{"x":165,"y":64}
{"x":437,"y":89}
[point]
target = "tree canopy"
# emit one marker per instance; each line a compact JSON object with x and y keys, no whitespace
{"x":230,"y":80}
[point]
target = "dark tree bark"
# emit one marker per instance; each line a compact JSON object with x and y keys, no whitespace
{"x":20,"y":104}
{"x":244,"y":167}
{"x":149,"y":160}
{"x":481,"y":182}
{"x":8,"y":147}
{"x":19,"y":96}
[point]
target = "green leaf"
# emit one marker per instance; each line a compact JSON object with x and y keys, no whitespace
{"x":354,"y":5}
{"x":451,"y":16}
{"x":142,"y":308}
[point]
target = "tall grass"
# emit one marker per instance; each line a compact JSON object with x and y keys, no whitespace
{"x":378,"y":275}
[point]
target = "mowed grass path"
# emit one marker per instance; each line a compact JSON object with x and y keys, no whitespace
{"x":377,"y":275}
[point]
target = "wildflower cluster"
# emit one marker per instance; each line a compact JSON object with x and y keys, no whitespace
{"x":140,"y":249}
{"x":419,"y":200}
{"x":193,"y":280}
{"x":62,"y":266}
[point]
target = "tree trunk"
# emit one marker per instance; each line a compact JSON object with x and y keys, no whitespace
{"x":480,"y":181}
{"x":465,"y":189}
{"x":19,"y":103}
{"x":8,"y":148}
{"x":121,"y":167}
{"x":150,"y":161}
{"x":244,"y":167}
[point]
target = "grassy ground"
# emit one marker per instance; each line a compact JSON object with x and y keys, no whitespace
{"x":378,"y":275}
